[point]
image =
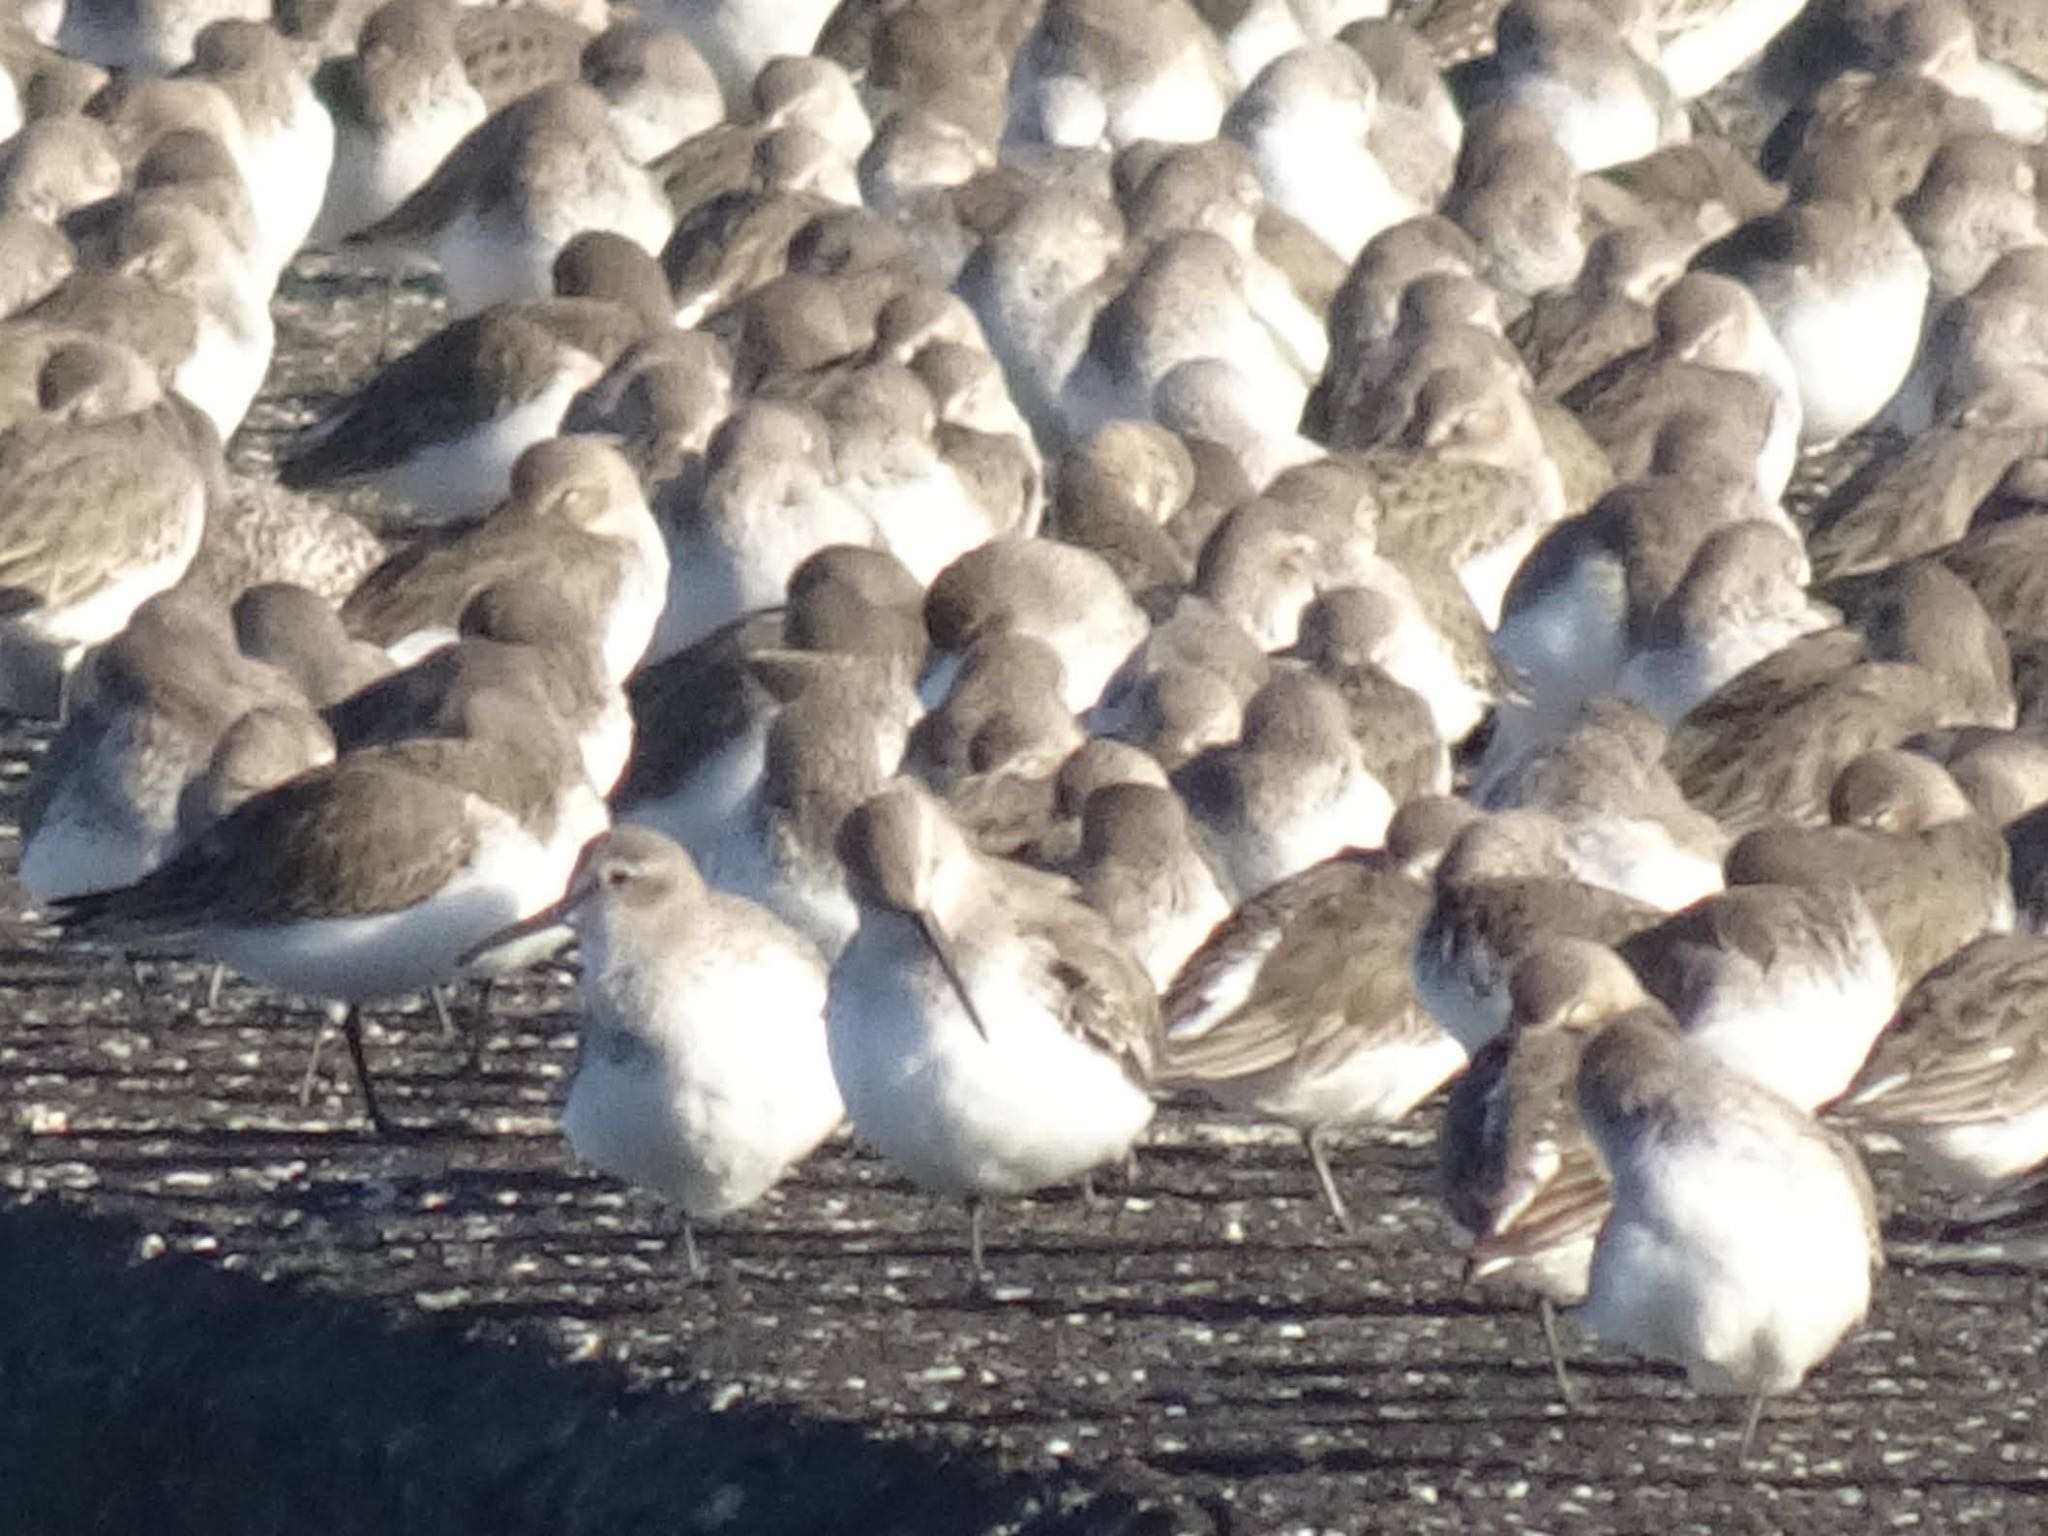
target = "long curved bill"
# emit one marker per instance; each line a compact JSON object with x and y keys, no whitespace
{"x":547,"y":917}
{"x":942,"y":951}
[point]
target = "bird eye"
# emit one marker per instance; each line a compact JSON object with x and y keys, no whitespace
{"x":615,"y":876}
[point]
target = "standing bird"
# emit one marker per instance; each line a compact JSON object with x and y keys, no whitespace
{"x":1744,"y":1234}
{"x":989,"y":1037}
{"x":702,"y":1073}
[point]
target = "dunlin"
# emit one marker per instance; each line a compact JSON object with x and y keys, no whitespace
{"x":1065,"y":596}
{"x":1300,"y":1009}
{"x":575,"y":519}
{"x":1933,"y":872}
{"x":658,"y":87}
{"x":1770,"y":742}
{"x":1845,"y":289}
{"x":1562,"y":61}
{"x":499,"y":209}
{"x":1518,"y":1173}
{"x":147,"y":711}
{"x":1104,"y":73}
{"x":989,"y":1037}
{"x":701,"y":1072}
{"x":1743,"y":1240}
{"x":299,"y":632}
{"x":1957,"y":1074}
{"x":1504,"y":886}
{"x":400,"y":104}
{"x":1293,"y":790}
{"x":1141,"y":868}
{"x":370,"y":878}
{"x":441,"y":427}
{"x":1740,"y":600}
{"x":103,"y":504}
{"x":288,"y":137}
{"x":1787,"y":984}
{"x":1626,"y":825}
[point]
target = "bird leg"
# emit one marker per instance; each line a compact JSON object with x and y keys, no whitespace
{"x":214,"y":982}
{"x":437,"y":995}
{"x":1317,"y":1143}
{"x":976,"y":1206}
{"x":1749,"y":1424}
{"x":312,"y":1073}
{"x":692,"y":1259}
{"x":352,"y":1032}
{"x":1546,"y":1313}
{"x":479,"y":1025}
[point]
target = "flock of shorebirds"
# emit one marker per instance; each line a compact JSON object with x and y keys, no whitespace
{"x":991,"y":562}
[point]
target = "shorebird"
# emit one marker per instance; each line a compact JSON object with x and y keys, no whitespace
{"x":519,"y":632}
{"x":1743,"y":1239}
{"x":1064,"y":596}
{"x":701,"y":1069}
{"x":702,"y":716}
{"x":1957,"y":1074}
{"x":371,"y":878}
{"x":1770,"y":742}
{"x":35,"y":259}
{"x":522,"y":185}
{"x":1300,"y":1009}
{"x":1562,"y":61}
{"x":1006,"y":691}
{"x":1625,"y":823}
{"x":575,"y":519}
{"x":296,"y":630}
{"x":1503,"y":886}
{"x":1141,"y":868}
{"x":989,"y":1037}
{"x":1933,"y":873}
{"x":1713,"y":355}
{"x":57,"y":165}
{"x":1845,"y":289}
{"x":151,"y":38}
{"x":146,"y":712}
{"x":1517,"y":198}
{"x":1517,"y":1171}
{"x":1308,"y":120}
{"x":836,"y":741}
{"x":1105,"y":73}
{"x":440,"y":428}
{"x":287,"y":141}
{"x":765,"y":504}
{"x":400,"y":104}
{"x":172,"y":287}
{"x":102,"y":498}
{"x":737,"y":38}
{"x":659,"y":89}
{"x":1741,"y":599}
{"x":1293,"y":790}
{"x":268,"y":746}
{"x":1787,"y":984}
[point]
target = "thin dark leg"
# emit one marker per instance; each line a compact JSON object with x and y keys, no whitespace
{"x":135,"y":971}
{"x":1318,"y":1153}
{"x":479,"y":1024}
{"x":352,"y":1032}
{"x":1749,"y":1424}
{"x":692,"y":1259}
{"x":1546,"y":1313}
{"x":213,"y":986}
